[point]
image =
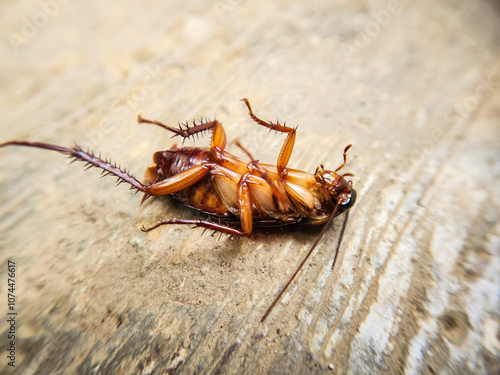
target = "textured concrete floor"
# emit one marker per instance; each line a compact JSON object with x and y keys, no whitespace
{"x":414,"y":86}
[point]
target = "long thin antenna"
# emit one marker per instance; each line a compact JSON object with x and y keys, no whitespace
{"x":339,"y":243}
{"x":334,"y":213}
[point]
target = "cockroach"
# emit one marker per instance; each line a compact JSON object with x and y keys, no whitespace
{"x":238,"y":194}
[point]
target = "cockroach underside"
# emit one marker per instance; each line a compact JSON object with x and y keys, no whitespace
{"x":239,"y":194}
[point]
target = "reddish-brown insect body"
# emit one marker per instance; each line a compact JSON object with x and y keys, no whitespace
{"x":240,"y":194}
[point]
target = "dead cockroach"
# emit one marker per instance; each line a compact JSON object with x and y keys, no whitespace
{"x":240,"y":194}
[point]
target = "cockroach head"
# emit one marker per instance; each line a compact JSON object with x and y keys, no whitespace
{"x":339,"y":190}
{"x":337,"y":187}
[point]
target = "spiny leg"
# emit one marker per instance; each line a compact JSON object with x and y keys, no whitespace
{"x":269,"y":125}
{"x":186,"y":132}
{"x":164,"y":187}
{"x":286,"y":150}
{"x":199,"y":223}
{"x":218,"y":144}
{"x":219,"y":139}
{"x":91,"y":160}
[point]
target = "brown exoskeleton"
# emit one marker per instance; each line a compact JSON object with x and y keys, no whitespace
{"x":240,"y":194}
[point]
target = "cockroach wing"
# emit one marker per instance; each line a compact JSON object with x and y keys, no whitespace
{"x":226,"y":184}
{"x":301,"y":195}
{"x":262,"y":194}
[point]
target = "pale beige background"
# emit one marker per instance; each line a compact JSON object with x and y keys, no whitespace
{"x":414,"y":86}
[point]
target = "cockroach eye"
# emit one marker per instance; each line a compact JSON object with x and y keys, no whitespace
{"x":351,"y":201}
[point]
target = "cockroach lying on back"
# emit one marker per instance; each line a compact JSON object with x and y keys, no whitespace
{"x":240,"y":194}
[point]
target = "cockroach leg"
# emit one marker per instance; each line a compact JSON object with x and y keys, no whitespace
{"x":167,"y":186}
{"x":286,"y":150}
{"x":199,"y":223}
{"x":276,"y":186}
{"x":219,"y":139}
{"x":186,"y":132}
{"x":145,"y":197}
{"x":242,"y":148}
{"x":77,"y":153}
{"x":245,"y":205}
{"x":179,"y":181}
{"x":269,"y":125}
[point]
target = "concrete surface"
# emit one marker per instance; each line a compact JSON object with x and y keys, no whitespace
{"x":414,"y":86}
